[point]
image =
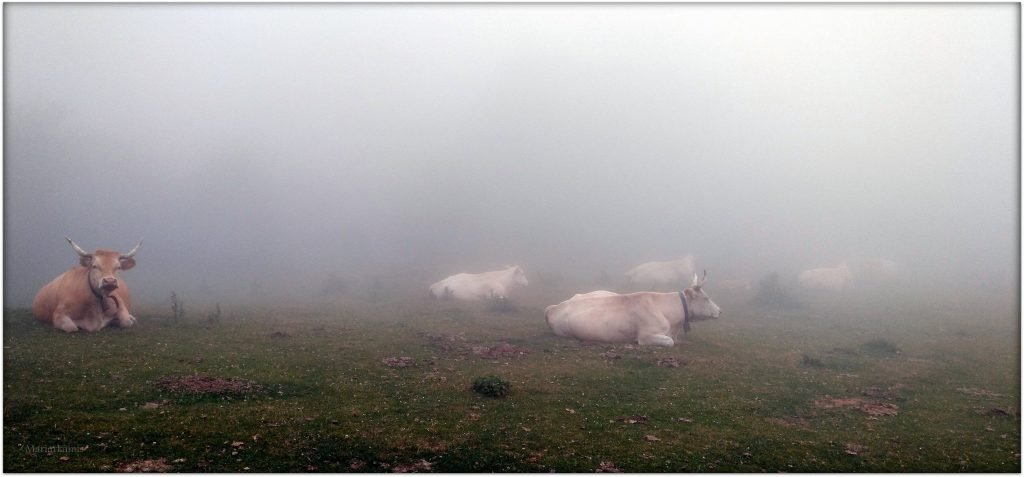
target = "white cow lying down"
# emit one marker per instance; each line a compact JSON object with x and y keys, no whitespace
{"x":480,"y":286}
{"x":646,"y":318}
{"x":834,"y":279}
{"x":666,"y":275}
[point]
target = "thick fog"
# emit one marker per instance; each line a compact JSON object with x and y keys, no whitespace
{"x":261,"y":149}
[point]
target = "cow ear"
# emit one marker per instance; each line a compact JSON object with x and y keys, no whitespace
{"x":85,"y":260}
{"x":127,"y":263}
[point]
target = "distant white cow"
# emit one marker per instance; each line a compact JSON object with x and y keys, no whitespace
{"x":835,"y":279}
{"x":646,"y":318}
{"x":480,"y":286}
{"x":662,"y":275}
{"x":879,"y":269}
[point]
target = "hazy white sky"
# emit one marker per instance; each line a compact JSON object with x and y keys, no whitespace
{"x":282,"y":143}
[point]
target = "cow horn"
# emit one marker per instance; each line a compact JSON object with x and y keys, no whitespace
{"x":75,"y":246}
{"x":134,"y":250}
{"x":696,"y":281}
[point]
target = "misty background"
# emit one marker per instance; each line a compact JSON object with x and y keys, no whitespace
{"x":260,"y":149}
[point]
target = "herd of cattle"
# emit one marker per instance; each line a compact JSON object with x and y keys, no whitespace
{"x":91,"y":296}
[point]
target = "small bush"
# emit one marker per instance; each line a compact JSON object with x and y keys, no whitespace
{"x":770,"y":293}
{"x":334,"y":285}
{"x":811,"y":362}
{"x":880,"y":346}
{"x":492,"y":386}
{"x":214,"y":316}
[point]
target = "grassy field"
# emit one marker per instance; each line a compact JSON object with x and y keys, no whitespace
{"x":849,"y":385}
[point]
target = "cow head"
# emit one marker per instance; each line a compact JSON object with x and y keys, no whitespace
{"x":103,"y":266}
{"x":518,"y":277}
{"x":701,"y":306}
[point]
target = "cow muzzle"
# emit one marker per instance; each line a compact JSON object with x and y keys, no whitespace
{"x":714,"y":310}
{"x":108,"y":284}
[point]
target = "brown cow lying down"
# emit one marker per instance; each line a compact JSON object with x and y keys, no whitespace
{"x":90,"y":296}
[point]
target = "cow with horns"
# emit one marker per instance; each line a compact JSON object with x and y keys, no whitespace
{"x":90,"y":296}
{"x":645,"y":318}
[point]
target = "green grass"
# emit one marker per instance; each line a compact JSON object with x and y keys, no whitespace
{"x":743,"y":400}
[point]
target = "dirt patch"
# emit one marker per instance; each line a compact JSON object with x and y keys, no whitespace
{"x":789,"y":422}
{"x":419,"y":466}
{"x":1000,"y":412}
{"x":634,"y":419}
{"x":611,"y":355}
{"x":833,"y":403}
{"x":201,"y":384}
{"x":153,"y":405}
{"x":877,"y":409}
{"x":670,"y":362}
{"x":854,"y":449}
{"x":279,"y":334}
{"x":399,"y":362}
{"x":889,"y":394}
{"x":431,"y":446}
{"x":149,"y":465}
{"x":443,"y":337}
{"x":979,"y":392}
{"x":503,"y":350}
{"x":871,"y":408}
{"x":608,"y":466}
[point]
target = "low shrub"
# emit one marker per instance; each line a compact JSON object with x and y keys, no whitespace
{"x":770,"y":293}
{"x":492,"y":386}
{"x":812,"y":362}
{"x":880,"y":346}
{"x":214,"y":316}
